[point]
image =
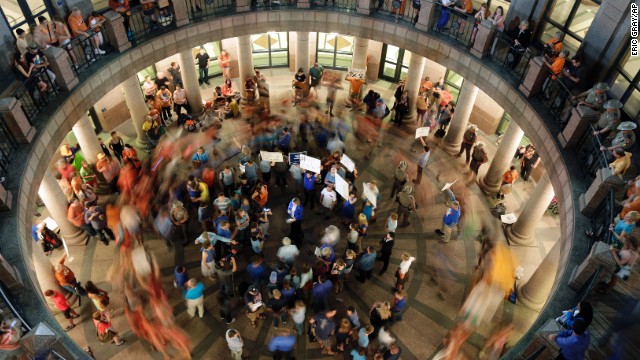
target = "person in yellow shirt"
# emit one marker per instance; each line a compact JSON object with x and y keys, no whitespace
{"x":621,"y":163}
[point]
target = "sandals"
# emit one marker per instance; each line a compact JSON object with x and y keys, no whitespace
{"x":69,"y":327}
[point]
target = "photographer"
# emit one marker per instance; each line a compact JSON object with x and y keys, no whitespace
{"x":552,"y":48}
{"x":225,"y":269}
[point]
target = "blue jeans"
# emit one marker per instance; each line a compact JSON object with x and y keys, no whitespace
{"x":300,"y":328}
{"x":281,"y":316}
{"x":444,"y":18}
{"x":204,"y":75}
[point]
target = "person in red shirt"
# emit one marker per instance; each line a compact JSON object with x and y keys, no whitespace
{"x":60,"y":302}
{"x":106,"y":332}
{"x":75,"y":215}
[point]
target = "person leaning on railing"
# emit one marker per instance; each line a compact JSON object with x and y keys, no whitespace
{"x":26,"y":73}
{"x":122,"y":7}
{"x":521,"y":41}
{"x":551,"y":84}
{"x":552,"y":48}
{"x":79,"y":28}
{"x":610,"y":118}
{"x":96,"y":20}
{"x":41,"y":64}
{"x":624,"y":139}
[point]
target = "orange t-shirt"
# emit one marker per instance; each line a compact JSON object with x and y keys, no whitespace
{"x":510,"y":176}
{"x":356,"y":85}
{"x":557,"y":47}
{"x":75,"y":215}
{"x":557,"y":66}
{"x":467,"y":5}
{"x":155,"y":114}
{"x":76,"y":23}
{"x":634,"y":206}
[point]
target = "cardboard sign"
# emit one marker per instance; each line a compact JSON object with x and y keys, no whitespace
{"x":423,"y":131}
{"x":369,"y":194}
{"x":294,"y":158}
{"x":508,"y":218}
{"x":342,"y":187}
{"x":448,"y":185}
{"x":310,"y":163}
{"x":271,"y":156}
{"x":356,"y":73}
{"x":347,"y":162}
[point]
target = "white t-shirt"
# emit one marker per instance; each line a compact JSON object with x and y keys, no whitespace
{"x":404,"y":265}
{"x":392,"y":224}
{"x":328,"y":198}
{"x":288,"y":253}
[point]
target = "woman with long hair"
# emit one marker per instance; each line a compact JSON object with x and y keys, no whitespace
{"x":379,"y":316}
{"x":99,"y":297}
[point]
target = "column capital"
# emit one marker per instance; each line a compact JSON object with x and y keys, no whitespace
{"x":363,"y":7}
{"x":60,"y":65}
{"x":16,"y":120}
{"x":114,"y":25}
{"x":534,"y":79}
{"x":426,"y":15}
{"x":484,"y":39}
{"x":6,"y":199}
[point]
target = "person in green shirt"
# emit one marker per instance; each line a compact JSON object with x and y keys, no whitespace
{"x":315,"y":76}
{"x":88,"y":175}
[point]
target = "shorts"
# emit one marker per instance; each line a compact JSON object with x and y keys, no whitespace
{"x":67,"y":313}
{"x":326,"y":343}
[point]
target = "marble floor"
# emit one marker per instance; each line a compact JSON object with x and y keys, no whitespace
{"x":439,"y":277}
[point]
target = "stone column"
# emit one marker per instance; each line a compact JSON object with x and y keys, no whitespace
{"x":578,"y":123}
{"x":190,"y":81}
{"x":522,"y":231}
{"x":243,"y":6}
{"x":598,"y":191}
{"x":87,"y":138}
{"x":302,"y":51}
{"x":9,"y":274}
{"x":6,"y":199}
{"x":114,"y":25}
{"x":137,"y":107}
{"x":45,"y":270}
{"x":600,"y":255}
{"x":491,"y":181}
{"x":180,"y":13}
{"x":484,"y":39}
{"x":426,"y":16}
{"x":16,"y":121}
{"x":535,"y":292}
{"x":534,"y":79}
{"x":360,"y":49}
{"x":60,"y":65}
{"x":56,"y":202}
{"x":412,"y":84}
{"x":464,"y":106}
{"x":363,"y":7}
{"x":303,"y":4}
{"x":245,"y":58}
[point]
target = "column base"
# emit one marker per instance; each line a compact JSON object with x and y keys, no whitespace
{"x":524,"y":300}
{"x":143,"y":143}
{"x":77,"y":238}
{"x":487,"y":188}
{"x":451,"y":149}
{"x":517,"y":239}
{"x":410,"y":119}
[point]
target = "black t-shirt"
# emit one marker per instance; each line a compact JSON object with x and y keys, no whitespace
{"x":175,"y":74}
{"x":202,"y":60}
{"x":576,"y":71}
{"x":276,"y":305}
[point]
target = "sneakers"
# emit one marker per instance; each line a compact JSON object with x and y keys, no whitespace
{"x":98,"y":52}
{"x":232,"y":321}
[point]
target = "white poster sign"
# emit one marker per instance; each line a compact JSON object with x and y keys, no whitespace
{"x":342,"y":187}
{"x":310,"y":163}
{"x":356,"y":73}
{"x":347,"y":162}
{"x":369,"y":194}
{"x":423,"y":131}
{"x":271,"y":156}
{"x":448,"y":185}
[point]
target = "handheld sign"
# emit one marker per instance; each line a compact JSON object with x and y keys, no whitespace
{"x":369,"y":194}
{"x":347,"y":162}
{"x":310,"y":163}
{"x":271,"y":156}
{"x":342,"y":187}
{"x":448,"y":185}
{"x":508,"y":218}
{"x":422,"y":131}
{"x":294,"y":158}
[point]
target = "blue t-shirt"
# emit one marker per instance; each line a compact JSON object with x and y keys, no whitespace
{"x":309,"y":183}
{"x":282,"y":343}
{"x":356,"y":356}
{"x":573,"y":347}
{"x":623,"y":226}
{"x":194,"y":292}
{"x":363,"y":338}
{"x":451,"y":217}
{"x":181,"y":278}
